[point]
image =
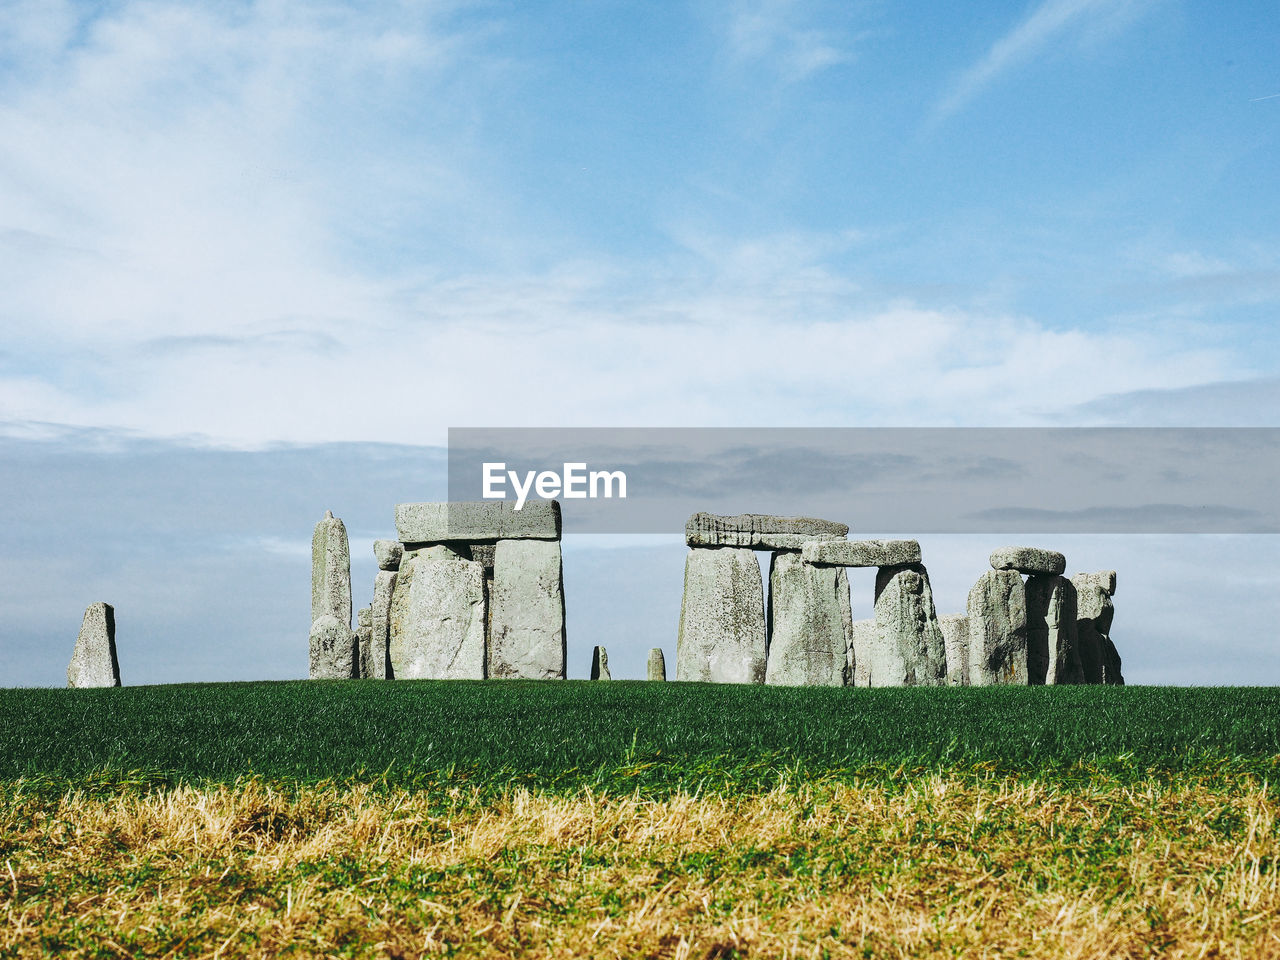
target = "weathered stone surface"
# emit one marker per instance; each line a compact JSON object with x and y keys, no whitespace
{"x":1099,"y":659}
{"x":600,"y":664}
{"x":863,"y":639}
{"x":479,"y":520}
{"x":384,"y":585}
{"x":862,"y":553}
{"x":1053,"y":656}
{"x":526,"y":638}
{"x":909,"y":650}
{"x":330,"y":570}
{"x":998,"y":629}
{"x":721,"y":637}
{"x":657,"y":664}
{"x":334,"y":649}
{"x":93,"y":660}
{"x":759,"y":531}
{"x":364,"y":640}
{"x":808,"y":634}
{"x":955,"y":638}
{"x":1106,"y":579}
{"x":484,"y":553}
{"x":1028,"y":560}
{"x":438,"y":617}
{"x":388,"y":553}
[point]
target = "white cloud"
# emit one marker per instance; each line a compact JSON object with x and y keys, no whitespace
{"x":782,"y":35}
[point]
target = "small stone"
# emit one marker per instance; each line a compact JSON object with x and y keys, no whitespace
{"x":657,"y":664}
{"x":1053,"y":655}
{"x":364,"y":637}
{"x":809,"y":624}
{"x":334,"y":654}
{"x":526,"y":637}
{"x":862,"y":553}
{"x":481,"y":520}
{"x":93,"y":661}
{"x":600,"y":664}
{"x":1029,"y":560}
{"x":998,"y":630}
{"x":759,"y":531}
{"x":330,"y":570}
{"x":955,"y":638}
{"x":438,"y":617}
{"x":384,"y":585}
{"x":909,"y":649}
{"x":1106,"y":579}
{"x":388,"y":553}
{"x":721,"y":637}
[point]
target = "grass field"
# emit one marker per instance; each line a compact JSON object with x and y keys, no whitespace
{"x":638,"y":820}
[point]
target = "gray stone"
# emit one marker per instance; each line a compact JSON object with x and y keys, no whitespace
{"x":998,"y":630}
{"x":438,"y":617}
{"x":526,"y":638}
{"x":955,"y":638}
{"x":809,"y":624}
{"x":657,"y":664}
{"x":1106,"y":579}
{"x":484,"y":553}
{"x":384,"y":585}
{"x":721,"y":637}
{"x":481,"y":520}
{"x":388,"y":553}
{"x":93,"y":661}
{"x":364,"y":637}
{"x":1029,"y":560}
{"x":864,"y":637}
{"x":334,"y":649}
{"x":330,"y":570}
{"x":863,"y":553}
{"x":600,"y":664}
{"x":909,"y":650}
{"x":1099,"y":659}
{"x":759,"y":531}
{"x":1053,"y":656}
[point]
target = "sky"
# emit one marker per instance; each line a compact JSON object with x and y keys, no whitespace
{"x":244,"y":242}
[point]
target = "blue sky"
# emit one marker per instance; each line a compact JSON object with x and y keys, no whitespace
{"x":246,"y":225}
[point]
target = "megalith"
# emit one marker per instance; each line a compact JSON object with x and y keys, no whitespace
{"x":93,"y":660}
{"x":1028,"y":560}
{"x":364,"y":637}
{"x":809,"y":623}
{"x":721,"y":637}
{"x":1053,"y":656}
{"x":334,"y":650}
{"x":387,"y":553}
{"x":758,"y":531}
{"x":600,"y":664}
{"x":955,"y":639}
{"x":909,"y":649}
{"x":384,"y":585}
{"x":657,"y":664}
{"x":526,"y":635}
{"x":330,"y":570}
{"x":437,"y":629}
{"x":863,"y":639}
{"x":862,"y":553}
{"x":997,"y":614}
{"x":1099,"y":659}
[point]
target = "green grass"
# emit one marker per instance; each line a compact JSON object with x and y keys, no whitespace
{"x":623,"y":735}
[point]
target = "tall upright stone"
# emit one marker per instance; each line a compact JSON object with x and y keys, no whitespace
{"x":909,"y":650}
{"x":809,"y":624}
{"x":657,"y":664}
{"x":93,"y":661}
{"x":438,"y":617}
{"x":600,"y":664}
{"x":334,"y":649}
{"x":955,"y":638}
{"x":527,"y":638}
{"x":864,"y":638}
{"x":364,"y":637}
{"x":1053,"y":655}
{"x":1099,"y":659}
{"x":331,"y":570}
{"x":998,"y":629}
{"x":721,"y":637}
{"x":384,"y":585}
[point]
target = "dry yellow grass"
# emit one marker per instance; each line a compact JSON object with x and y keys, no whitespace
{"x":930,"y":866}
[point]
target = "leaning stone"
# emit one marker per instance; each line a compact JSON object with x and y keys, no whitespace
{"x":862,"y":639}
{"x":657,"y":664}
{"x":330,"y":570}
{"x":955,"y":638}
{"x":600,"y":664}
{"x":1099,"y":659}
{"x":909,"y":650}
{"x":863,"y":553}
{"x":438,"y":617}
{"x":430,"y":523}
{"x":808,"y":641}
{"x":93,"y":661}
{"x":998,"y":630}
{"x":388,"y":553}
{"x":364,"y":640}
{"x":1029,"y":560}
{"x":334,"y":649}
{"x":1053,"y":655}
{"x":759,"y":531}
{"x":721,"y":637}
{"x":526,"y":636}
{"x":384,"y":585}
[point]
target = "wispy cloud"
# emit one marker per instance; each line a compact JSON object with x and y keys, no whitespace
{"x":788,"y":36}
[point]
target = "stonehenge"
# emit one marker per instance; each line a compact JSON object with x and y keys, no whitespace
{"x":600,"y":664}
{"x":93,"y":661}
{"x":335,"y":650}
{"x":1099,"y":659}
{"x":657,"y":664}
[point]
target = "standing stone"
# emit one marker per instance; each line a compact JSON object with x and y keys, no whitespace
{"x":527,"y":611}
{"x":600,"y":664}
{"x":93,"y":661}
{"x":721,"y":637}
{"x":998,"y":629}
{"x":909,"y":650}
{"x":1053,"y":656}
{"x":330,"y":570}
{"x":387,"y":553}
{"x":384,"y":585}
{"x":438,"y":617}
{"x":364,"y":637}
{"x":657,"y":664}
{"x":862,"y":639}
{"x":1099,"y":659}
{"x":955,"y":638}
{"x":807,"y":630}
{"x":334,"y":650}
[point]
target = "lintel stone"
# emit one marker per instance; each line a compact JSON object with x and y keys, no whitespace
{"x":1029,"y":560}
{"x":759,"y":531}
{"x":862,"y":553}
{"x":479,"y":521}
